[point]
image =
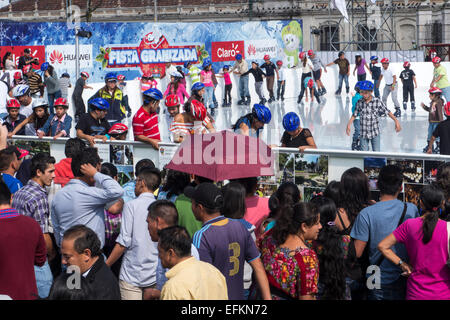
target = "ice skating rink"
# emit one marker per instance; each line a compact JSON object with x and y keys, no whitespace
{"x":327,"y":120}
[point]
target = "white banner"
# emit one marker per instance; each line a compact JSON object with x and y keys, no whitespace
{"x":256,"y":49}
{"x":63,"y":57}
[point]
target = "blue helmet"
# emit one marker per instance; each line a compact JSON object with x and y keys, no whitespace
{"x":152,"y":93}
{"x":262,"y":113}
{"x":206,"y":63}
{"x":366,"y":85}
{"x":373,"y":58}
{"x":226,"y":67}
{"x":111,"y":76}
{"x":358,"y":85}
{"x":99,"y":103}
{"x":238,"y":56}
{"x":197,"y":86}
{"x":44,"y":66}
{"x":291,"y":121}
{"x":187,"y":63}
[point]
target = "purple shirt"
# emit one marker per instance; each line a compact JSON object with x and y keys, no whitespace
{"x":360,"y":69}
{"x":430,"y":279}
{"x":227,"y":244}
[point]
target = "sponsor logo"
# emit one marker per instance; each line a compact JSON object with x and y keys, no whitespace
{"x":56,"y":57}
{"x":226,"y":51}
{"x":257,"y":49}
{"x":64,"y":56}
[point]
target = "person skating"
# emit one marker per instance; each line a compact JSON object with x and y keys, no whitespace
{"x":408,"y":77}
{"x":375,"y":69}
{"x":258,"y":74}
{"x":356,"y":143}
{"x":241,"y":66}
{"x":281,"y":84}
{"x":307,"y":68}
{"x":435,"y":115}
{"x":271,"y":69}
{"x":344,"y":71}
{"x":391,"y":87}
{"x":317,"y":71}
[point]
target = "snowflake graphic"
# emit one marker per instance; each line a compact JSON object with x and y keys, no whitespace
{"x":21,"y":36}
{"x":58,"y":27}
{"x":42,"y":29}
{"x":3,"y":33}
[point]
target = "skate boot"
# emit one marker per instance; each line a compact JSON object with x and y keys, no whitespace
{"x":278,"y":98}
{"x":338,"y":93}
{"x":347,"y":89}
{"x":247,"y":102}
{"x":241,"y":102}
{"x":437,"y":150}
{"x":355,"y":145}
{"x":413,"y":106}
{"x":405,"y":106}
{"x":397,"y":113}
{"x":263,"y":101}
{"x":282,"y":98}
{"x":426,"y":147}
{"x":324,"y":91}
{"x":299,"y":99}
{"x":271,"y":99}
{"x":216,"y":104}
{"x":225,"y":103}
{"x":229,"y":103}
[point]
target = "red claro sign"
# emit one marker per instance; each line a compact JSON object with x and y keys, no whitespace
{"x":227,"y":50}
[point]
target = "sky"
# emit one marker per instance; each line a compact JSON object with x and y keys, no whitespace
{"x":3,"y":3}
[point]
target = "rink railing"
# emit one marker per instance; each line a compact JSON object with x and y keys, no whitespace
{"x":338,"y":160}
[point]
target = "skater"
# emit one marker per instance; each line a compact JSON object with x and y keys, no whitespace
{"x":176,"y":87}
{"x":442,"y":131}
{"x":251,"y":124}
{"x":306,"y":73}
{"x":281,"y":83}
{"x":360,"y":63}
{"x":408,"y":77}
{"x":242,"y":67}
{"x":369,"y":109}
{"x":258,"y":74}
{"x":294,"y":135}
{"x":440,"y":79}
{"x":77,"y":98}
{"x":193,"y":72}
{"x":356,"y":143}
{"x":228,"y":86}
{"x":317,"y":71}
{"x":375,"y":70}
{"x":391,"y":86}
{"x":206,"y":79}
{"x":172,"y":103}
{"x":435,"y":115}
{"x":148,"y":81}
{"x":271,"y":69}
{"x":308,"y":83}
{"x":344,"y":71}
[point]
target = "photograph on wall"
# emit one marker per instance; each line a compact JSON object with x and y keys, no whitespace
{"x":33,"y":147}
{"x":375,"y":196}
{"x":431,"y":168}
{"x":121,"y":155}
{"x":309,"y":193}
{"x":285,"y":166}
{"x":412,"y":192}
{"x":412,"y":169}
{"x":125,"y":173}
{"x":266,"y":189}
{"x":311,"y":170}
{"x":372,"y":167}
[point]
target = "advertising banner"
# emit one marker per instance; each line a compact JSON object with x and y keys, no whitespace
{"x":227,"y":50}
{"x":17,"y":52}
{"x":64,"y":56}
{"x":257,"y":49}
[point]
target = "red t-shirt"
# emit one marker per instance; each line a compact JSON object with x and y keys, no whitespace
{"x":257,"y":211}
{"x":63,"y":171}
{"x":146,"y":124}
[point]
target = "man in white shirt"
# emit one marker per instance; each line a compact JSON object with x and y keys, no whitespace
{"x":22,"y":94}
{"x":391,"y":86}
{"x":138,"y":271}
{"x":281,"y":83}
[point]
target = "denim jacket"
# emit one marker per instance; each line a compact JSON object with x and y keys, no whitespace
{"x":52,"y":123}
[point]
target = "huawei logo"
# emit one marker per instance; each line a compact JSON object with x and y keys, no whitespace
{"x":251,"y":50}
{"x":56,"y":57}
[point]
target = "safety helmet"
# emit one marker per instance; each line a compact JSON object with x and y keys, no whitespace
{"x":262,"y":113}
{"x":406,"y":64}
{"x":118,"y":129}
{"x":238,"y":56}
{"x":447,"y":109}
{"x":152,"y":93}
{"x":385,"y":60}
{"x":99,"y":103}
{"x":374,"y":58}
{"x":85,"y":74}
{"x":291,"y":121}
{"x":44,"y":66}
{"x":434,"y":90}
{"x":310,"y":52}
{"x":21,"y":90}
{"x":279,"y":63}
{"x":12,"y":103}
{"x":61,"y":102}
{"x":176,"y":75}
{"x":206,"y":62}
{"x":310,"y":83}
{"x":110,"y":76}
{"x":17,"y":75}
{"x":301,"y":55}
{"x":366,"y":85}
{"x":198,"y":110}
{"x":226,"y":67}
{"x":40,"y":102}
{"x":186,"y":64}
{"x":436,"y":60}
{"x":266,"y":57}
{"x":120,"y":77}
{"x":197,"y":86}
{"x":172,"y":100}
{"x":358,"y":85}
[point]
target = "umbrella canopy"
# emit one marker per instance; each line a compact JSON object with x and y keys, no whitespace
{"x":222,"y":156}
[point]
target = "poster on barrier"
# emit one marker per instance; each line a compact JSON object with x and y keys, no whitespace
{"x":103,"y":152}
{"x":33,"y":147}
{"x":166,"y":154}
{"x":121,"y":155}
{"x":372,"y":167}
{"x":311,"y":170}
{"x":431,"y":168}
{"x":412,"y":169}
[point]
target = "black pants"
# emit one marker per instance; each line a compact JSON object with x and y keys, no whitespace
{"x":408,"y":89}
{"x":316,"y":94}
{"x":227,"y":93}
{"x":80,"y":108}
{"x":302,"y":86}
{"x":362,"y":77}
{"x":280,"y":88}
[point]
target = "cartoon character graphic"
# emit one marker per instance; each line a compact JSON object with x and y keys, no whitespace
{"x":292,"y":37}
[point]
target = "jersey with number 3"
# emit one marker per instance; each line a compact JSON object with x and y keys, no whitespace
{"x":227,"y":244}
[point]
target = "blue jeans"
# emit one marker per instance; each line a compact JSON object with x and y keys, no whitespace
{"x":208,"y":97}
{"x":343,"y":77}
{"x":243,"y":87}
{"x":431,"y":127}
{"x":391,"y":291}
{"x":446,"y":93}
{"x":374,"y":141}
{"x":357,"y":126}
{"x":51,"y":99}
{"x":44,"y":279}
{"x":375,"y":89}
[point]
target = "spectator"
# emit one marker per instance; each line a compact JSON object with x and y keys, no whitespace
{"x":32,"y":201}
{"x":24,"y":172}
{"x":291,"y":266}
{"x":426,"y":240}
{"x":172,"y":103}
{"x":176,"y":181}
{"x":93,"y":125}
{"x":80,"y":202}
{"x":442,"y":132}
{"x":22,"y":94}
{"x":219,"y":236}
{"x":344,"y":71}
{"x":138,"y":270}
{"x":130,"y":186}
{"x":8,"y":62}
{"x":63,"y":169}
{"x":27,"y":59}
{"x":241,"y":68}
{"x":81,"y":248}
{"x":36,"y":120}
{"x":60,"y":124}
{"x":3,"y":135}
{"x":22,"y":246}
{"x":360,"y":63}
{"x":77,"y":95}
{"x":440,"y":79}
{"x":295,"y":136}
{"x":189,"y":279}
{"x":148,"y":81}
{"x":52,"y":84}
{"x":60,"y":290}
{"x":253,"y":123}
{"x":34,"y":81}
{"x":14,"y":118}
{"x":9,"y":164}
{"x":64,"y":84}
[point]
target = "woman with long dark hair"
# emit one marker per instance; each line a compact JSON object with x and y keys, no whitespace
{"x":176,"y":181}
{"x":443,"y":181}
{"x":8,"y":62}
{"x":360,"y":63}
{"x":291,"y":266}
{"x":52,"y":83}
{"x":176,"y":87}
{"x":426,"y":240}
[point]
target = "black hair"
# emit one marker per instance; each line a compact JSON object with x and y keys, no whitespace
{"x":355,"y":193}
{"x":250,"y":117}
{"x":289,"y":223}
{"x":287,"y":194}
{"x":331,"y":256}
{"x":73,"y":147}
{"x":390,"y":180}
{"x":176,"y":238}
{"x":39,"y":122}
{"x":61,"y":291}
{"x":50,"y":69}
{"x":443,"y":181}
{"x":250,"y":184}
{"x":358,"y":63}
{"x":5,"y":193}
{"x":89,"y":155}
{"x":7,"y":54}
{"x":142,"y":164}
{"x":431,"y":197}
{"x":6,"y":157}
{"x":40,"y":162}
{"x":151,"y":177}
{"x":175,"y":183}
{"x":85,"y":238}
{"x":233,"y":201}
{"x":109,"y":169}
{"x":165,"y":210}
{"x":333,"y":191}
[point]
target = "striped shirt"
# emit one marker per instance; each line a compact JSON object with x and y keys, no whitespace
{"x":8,"y":213}
{"x":146,"y":124}
{"x":32,"y":201}
{"x":33,"y":82}
{"x":189,"y":128}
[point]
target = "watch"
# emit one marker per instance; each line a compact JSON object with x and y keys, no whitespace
{"x":400,"y":262}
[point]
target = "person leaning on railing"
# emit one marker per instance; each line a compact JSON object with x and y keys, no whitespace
{"x":93,"y":125}
{"x":295,"y":136}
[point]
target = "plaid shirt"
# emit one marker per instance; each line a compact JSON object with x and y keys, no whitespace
{"x":32,"y":201}
{"x":369,"y":116}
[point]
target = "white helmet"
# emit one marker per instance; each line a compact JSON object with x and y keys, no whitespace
{"x":40,"y":102}
{"x":176,"y":74}
{"x":21,"y":90}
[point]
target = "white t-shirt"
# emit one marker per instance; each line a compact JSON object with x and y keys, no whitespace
{"x":282,"y":74}
{"x":27,"y":110}
{"x":388,"y":76}
{"x":308,"y":67}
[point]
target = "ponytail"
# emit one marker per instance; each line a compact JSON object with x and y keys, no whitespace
{"x":432,"y":198}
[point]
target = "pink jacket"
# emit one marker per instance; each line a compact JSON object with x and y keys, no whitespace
{"x":181,"y":92}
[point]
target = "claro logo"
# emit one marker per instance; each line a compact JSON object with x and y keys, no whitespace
{"x":226,"y":51}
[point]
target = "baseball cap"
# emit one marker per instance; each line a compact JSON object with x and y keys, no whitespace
{"x":207,"y":194}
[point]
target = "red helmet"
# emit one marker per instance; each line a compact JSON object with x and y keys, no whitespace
{"x":198,"y":110}
{"x":310,"y":83}
{"x":61,"y":102}
{"x":301,"y":55}
{"x":17,"y":75}
{"x":447,"y":109}
{"x":12,"y":103}
{"x":266,"y":57}
{"x":172,"y":100}
{"x":120,"y":77}
{"x":406,"y":64}
{"x":117,"y":129}
{"x":85,"y":74}
{"x":310,"y":52}
{"x":23,"y":153}
{"x":436,"y":60}
{"x":279,"y":63}
{"x":385,"y":60}
{"x":435,"y":90}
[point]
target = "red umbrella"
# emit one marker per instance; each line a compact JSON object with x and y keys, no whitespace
{"x":223,"y":156}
